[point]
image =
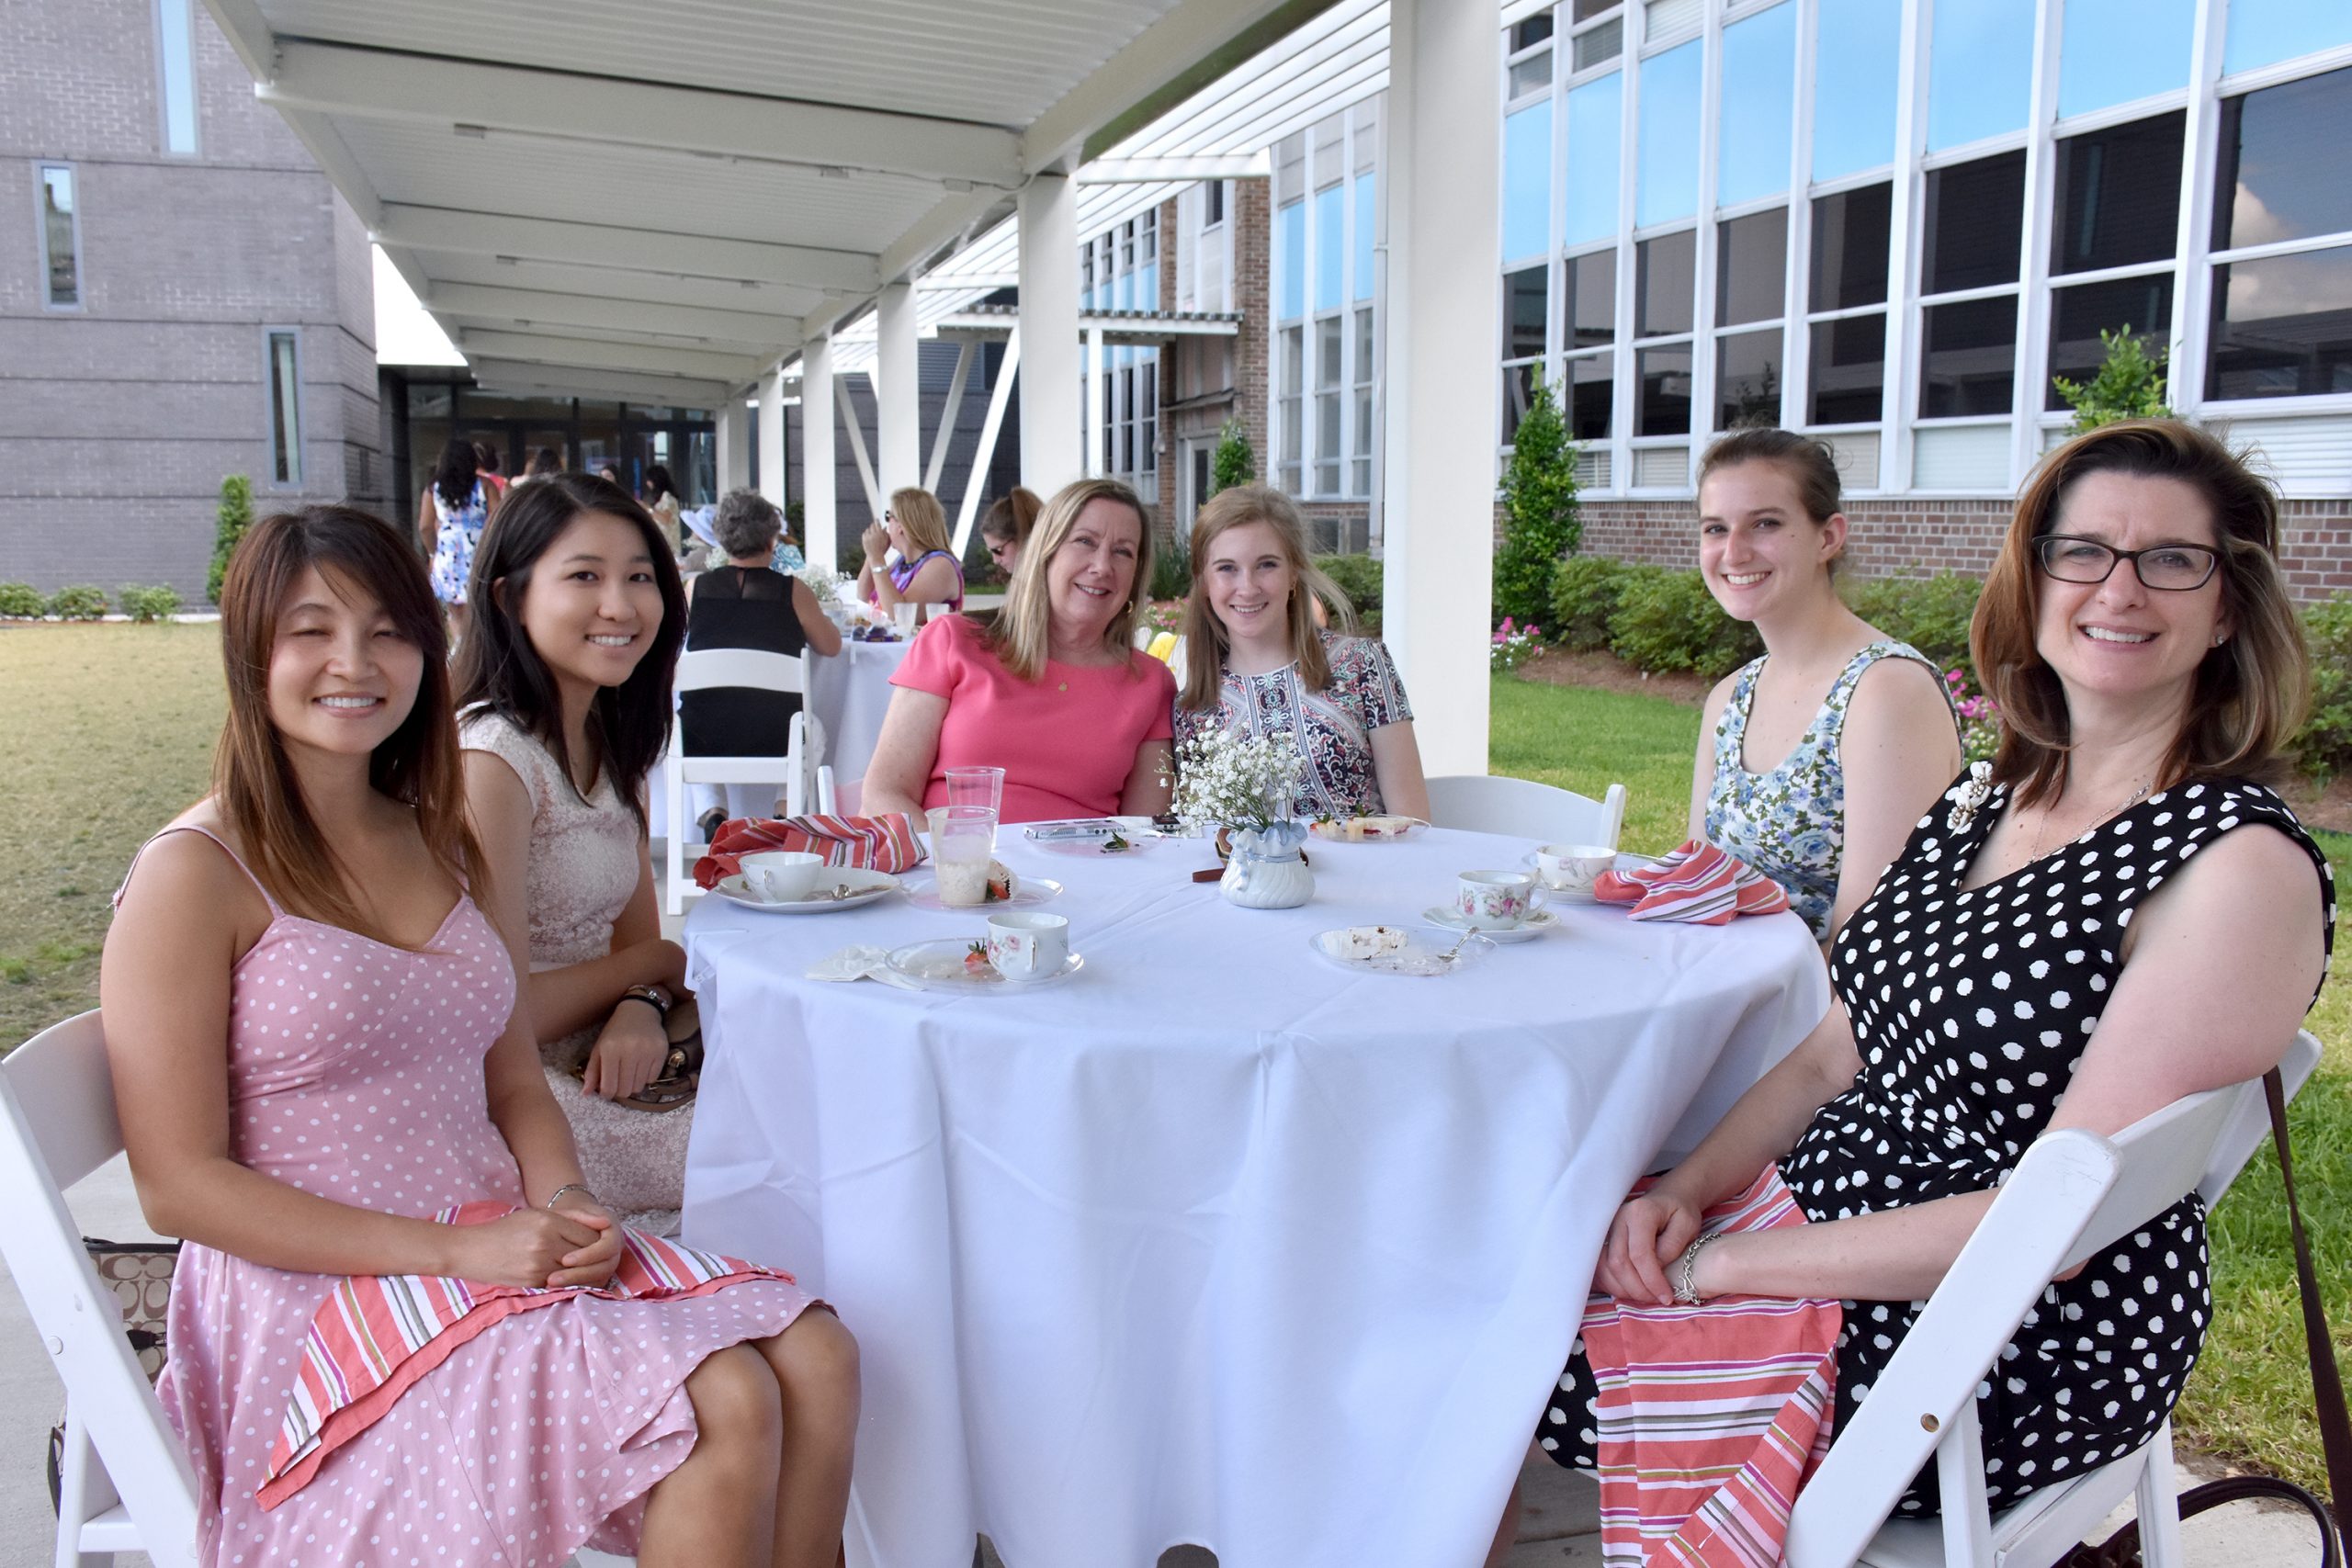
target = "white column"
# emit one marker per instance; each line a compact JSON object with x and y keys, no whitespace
{"x":1094,"y":464}
{"x":897,"y":390}
{"x":772,"y":476}
{"x":817,"y":427}
{"x":1445,"y":262}
{"x":1051,"y":421}
{"x":734,"y":443}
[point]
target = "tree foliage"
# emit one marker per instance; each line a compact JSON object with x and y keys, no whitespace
{"x":1233,"y":463}
{"x":1539,"y":500}
{"x":235,"y":516}
{"x":2129,"y":385}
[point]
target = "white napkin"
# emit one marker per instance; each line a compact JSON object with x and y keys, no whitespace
{"x":860,"y":963}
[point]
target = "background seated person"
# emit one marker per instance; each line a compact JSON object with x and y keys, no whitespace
{"x":926,"y":571}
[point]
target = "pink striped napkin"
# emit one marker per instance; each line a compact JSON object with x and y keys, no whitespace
{"x":1697,"y":883}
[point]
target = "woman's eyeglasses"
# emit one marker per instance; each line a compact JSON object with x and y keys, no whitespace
{"x":2169,"y":569}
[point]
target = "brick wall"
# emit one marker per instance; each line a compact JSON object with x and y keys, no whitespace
{"x":118,"y":422}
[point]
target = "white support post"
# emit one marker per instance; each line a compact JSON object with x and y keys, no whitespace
{"x":999,"y":397}
{"x":897,"y":392}
{"x":1904,"y":238}
{"x":1051,"y":422}
{"x":772,"y":475}
{"x":948,"y":413}
{"x":818,"y":540}
{"x":1444,"y":268}
{"x":1093,"y":465}
{"x":734,"y":433}
{"x":855,"y":427}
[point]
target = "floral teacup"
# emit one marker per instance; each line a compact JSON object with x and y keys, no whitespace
{"x":1497,"y":901}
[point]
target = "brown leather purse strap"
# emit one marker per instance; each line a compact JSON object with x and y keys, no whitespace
{"x":2327,"y":1383}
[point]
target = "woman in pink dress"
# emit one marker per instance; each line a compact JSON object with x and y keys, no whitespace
{"x":326,"y":1088}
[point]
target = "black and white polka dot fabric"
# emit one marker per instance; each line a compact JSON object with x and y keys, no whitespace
{"x":1971,"y":1010}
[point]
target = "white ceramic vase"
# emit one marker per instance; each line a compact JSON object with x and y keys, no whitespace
{"x":1267,"y":871}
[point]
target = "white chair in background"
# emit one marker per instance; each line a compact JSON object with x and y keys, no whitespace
{"x":699,"y":669}
{"x":2071,"y":1196}
{"x":839,"y":799}
{"x":127,"y":1484}
{"x":1489,"y":803}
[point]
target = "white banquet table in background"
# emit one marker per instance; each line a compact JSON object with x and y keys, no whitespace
{"x":850,"y":691}
{"x":1213,"y":1242}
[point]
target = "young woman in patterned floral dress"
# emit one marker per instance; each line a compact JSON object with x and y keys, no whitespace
{"x":1256,"y":661}
{"x":1815,"y":759}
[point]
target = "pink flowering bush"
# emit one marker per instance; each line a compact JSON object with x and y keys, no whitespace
{"x":1979,"y":718}
{"x":1514,"y":644}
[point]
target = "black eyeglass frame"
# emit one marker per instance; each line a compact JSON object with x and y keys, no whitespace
{"x":2116,"y":558}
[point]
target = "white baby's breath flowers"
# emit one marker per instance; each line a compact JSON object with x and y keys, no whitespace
{"x":1228,"y":780}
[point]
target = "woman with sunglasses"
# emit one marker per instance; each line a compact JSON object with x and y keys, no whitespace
{"x":926,"y":571}
{"x":1007,"y":527}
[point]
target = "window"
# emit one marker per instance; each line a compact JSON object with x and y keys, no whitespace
{"x":1980,"y":71}
{"x":1329,"y":339}
{"x":1969,"y":357}
{"x":1530,"y":63}
{"x":1212,"y":203}
{"x":1526,"y":307}
{"x":2079,"y":314}
{"x":1593,"y":392}
{"x":61,"y":239}
{"x":1974,"y":224}
{"x":1367,"y":226}
{"x":1527,"y":181}
{"x":1846,"y":299}
{"x":2119,"y":196}
{"x":1759,"y":107}
{"x":2282,"y":327}
{"x":1856,"y":57}
{"x":1748,"y":380}
{"x":1595,"y":136}
{"x":282,"y":365}
{"x":1848,"y":370}
{"x":2115,"y":50}
{"x":2263,"y":32}
{"x":1292,"y":301}
{"x":1362,"y":477}
{"x":1324,"y":381}
{"x":1665,"y":184}
{"x":1751,"y":292}
{"x":1664,"y":277}
{"x":2282,"y":304}
{"x":1598,"y":33}
{"x":1290,"y":406}
{"x":1330,"y":247}
{"x":176,"y":75}
{"x":2280,"y":175}
{"x":1850,"y":232}
{"x":1590,"y":307}
{"x":1665,"y":392}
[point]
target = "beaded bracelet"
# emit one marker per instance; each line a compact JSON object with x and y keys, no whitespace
{"x":578,"y":1187}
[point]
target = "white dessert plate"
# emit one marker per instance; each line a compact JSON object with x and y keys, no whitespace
{"x":1026,"y":890}
{"x":1423,"y":955}
{"x":1378,"y":830}
{"x":1626,"y":860}
{"x":1528,"y":929}
{"x":938,"y":965}
{"x":862,"y":887}
{"x":1135,"y":830}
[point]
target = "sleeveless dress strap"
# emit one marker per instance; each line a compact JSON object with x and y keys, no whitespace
{"x":276,"y":910}
{"x":1731,"y":724}
{"x":1831,"y":720}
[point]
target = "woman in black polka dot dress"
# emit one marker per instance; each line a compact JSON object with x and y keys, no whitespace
{"x":2110,"y":914}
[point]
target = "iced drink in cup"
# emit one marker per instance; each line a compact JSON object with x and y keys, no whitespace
{"x":976,"y":787}
{"x":903,"y":615}
{"x":963,"y":838}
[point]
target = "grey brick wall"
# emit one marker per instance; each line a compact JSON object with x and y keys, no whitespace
{"x":118,"y":422}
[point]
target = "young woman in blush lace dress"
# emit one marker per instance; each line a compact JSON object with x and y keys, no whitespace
{"x":564,"y":701}
{"x":326,"y":1089}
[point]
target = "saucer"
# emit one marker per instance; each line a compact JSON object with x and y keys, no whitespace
{"x":1420,"y":957}
{"x":1528,"y":929}
{"x":866,"y":886}
{"x":1377,"y":830}
{"x":1026,"y":890}
{"x":938,"y":965}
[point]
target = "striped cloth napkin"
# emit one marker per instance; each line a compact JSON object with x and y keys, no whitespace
{"x":1697,"y":883}
{"x":874,"y":843}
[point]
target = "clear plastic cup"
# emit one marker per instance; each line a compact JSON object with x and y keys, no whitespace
{"x":903,"y":615}
{"x":963,"y":838}
{"x":976,"y":787}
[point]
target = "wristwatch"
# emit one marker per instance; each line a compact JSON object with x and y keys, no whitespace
{"x":653,"y":997}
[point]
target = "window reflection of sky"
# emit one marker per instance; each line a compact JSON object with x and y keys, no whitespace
{"x":2290,"y":180}
{"x":2113,"y":52}
{"x":1980,"y":71}
{"x":1759,"y":105}
{"x":1595,"y":138}
{"x":1855,"y":62}
{"x":2262,"y":32}
{"x":1667,"y":187}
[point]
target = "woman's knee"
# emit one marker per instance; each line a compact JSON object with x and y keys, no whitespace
{"x":815,"y":1359}
{"x":736,"y":1404}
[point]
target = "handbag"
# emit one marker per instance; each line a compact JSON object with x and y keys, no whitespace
{"x":681,"y":1069}
{"x":140,"y":1275}
{"x":2121,"y":1549}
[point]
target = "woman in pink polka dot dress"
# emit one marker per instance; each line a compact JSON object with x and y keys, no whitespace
{"x":317,"y":1061}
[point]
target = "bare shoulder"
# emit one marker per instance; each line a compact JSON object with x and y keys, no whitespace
{"x":2254,"y":873}
{"x":1896,"y":685}
{"x":1718,"y":697}
{"x":184,"y":881}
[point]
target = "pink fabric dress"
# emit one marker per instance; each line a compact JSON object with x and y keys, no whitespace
{"x":355,"y":1074}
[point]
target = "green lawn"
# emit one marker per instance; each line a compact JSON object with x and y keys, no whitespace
{"x":111,"y":735}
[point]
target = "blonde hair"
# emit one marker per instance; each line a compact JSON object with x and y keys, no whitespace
{"x":1023,"y":631}
{"x":1207,"y":642}
{"x":918,"y":512}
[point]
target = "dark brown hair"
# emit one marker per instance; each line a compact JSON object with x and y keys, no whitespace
{"x":254,"y":784}
{"x":1013,"y":517}
{"x":2250,"y":693}
{"x":627,"y":724}
{"x":1804,"y":458}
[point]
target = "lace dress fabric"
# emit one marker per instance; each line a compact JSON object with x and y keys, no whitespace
{"x":583,"y":869}
{"x":1332,"y":727}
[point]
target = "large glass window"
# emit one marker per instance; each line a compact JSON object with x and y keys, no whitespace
{"x":2119,"y":196}
{"x":1748,"y":380}
{"x":1530,"y":73}
{"x":1665,"y":278}
{"x":1980,"y":71}
{"x":1759,"y":107}
{"x":1598,"y":33}
{"x":2282,"y":326}
{"x":1856,"y":57}
{"x":1591,"y":305}
{"x":1519,"y":391}
{"x":1329,"y":339}
{"x":1527,"y":181}
{"x":285,"y":371}
{"x":1366,"y":227}
{"x":1290,"y":408}
{"x":1665,"y":394}
{"x":1849,"y":247}
{"x":1666,"y":185}
{"x":1362,"y":461}
{"x":61,"y":239}
{"x":1596,"y":136}
{"x":1293,"y":298}
{"x":1976,"y":221}
{"x":2116,"y":51}
{"x":1848,"y":370}
{"x":175,"y":75}
{"x":1524,"y":292}
{"x":1592,"y":396}
{"x":1846,"y":296}
{"x":1752,"y":267}
{"x":1330,"y":247}
{"x":2263,"y":32}
{"x":2079,"y":314}
{"x":1969,"y":357}
{"x":2281,"y":174}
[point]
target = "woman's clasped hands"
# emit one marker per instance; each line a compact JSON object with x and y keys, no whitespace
{"x":573,"y":1244}
{"x":1649,"y":1231}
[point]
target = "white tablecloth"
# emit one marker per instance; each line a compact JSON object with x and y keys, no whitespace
{"x":1212,"y":1243}
{"x":851,"y":692}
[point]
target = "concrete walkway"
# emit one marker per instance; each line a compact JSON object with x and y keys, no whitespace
{"x":1557,"y":1526}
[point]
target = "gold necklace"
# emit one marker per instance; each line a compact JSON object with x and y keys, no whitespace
{"x":2042,"y":827}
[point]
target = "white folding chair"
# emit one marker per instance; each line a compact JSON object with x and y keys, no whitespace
{"x":795,"y":769}
{"x":2071,"y":1196}
{"x":840,"y":799}
{"x":1489,"y":803}
{"x":127,"y":1482}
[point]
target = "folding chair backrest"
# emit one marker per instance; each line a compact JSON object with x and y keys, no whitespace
{"x":2249,"y":1124}
{"x":57,"y":1124}
{"x":1489,"y":803}
{"x":705,"y":667}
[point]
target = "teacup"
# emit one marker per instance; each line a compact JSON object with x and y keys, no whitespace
{"x":782,"y":877}
{"x":1028,"y":947}
{"x":1573,"y":868}
{"x":1497,"y":900}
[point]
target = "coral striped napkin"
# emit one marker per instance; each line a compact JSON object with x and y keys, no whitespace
{"x":873,"y":843}
{"x":1697,"y":884}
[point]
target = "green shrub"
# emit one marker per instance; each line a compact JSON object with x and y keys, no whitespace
{"x":234,"y":516}
{"x":21,"y":602}
{"x":150,"y":603}
{"x":1667,"y":621}
{"x":2129,"y":385}
{"x":1930,"y":613}
{"x":1584,"y":596}
{"x":1232,"y":463}
{"x":1539,"y":500}
{"x":1358,"y":577}
{"x":1171,"y":566}
{"x":80,"y":603}
{"x":2325,"y":740}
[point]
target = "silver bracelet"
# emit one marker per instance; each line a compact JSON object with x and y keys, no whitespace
{"x":1685,"y":1292}
{"x":578,"y":1187}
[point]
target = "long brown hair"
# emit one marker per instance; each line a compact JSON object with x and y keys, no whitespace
{"x":254,"y":784}
{"x":1023,"y":631}
{"x":2250,"y":693}
{"x":1207,"y":642}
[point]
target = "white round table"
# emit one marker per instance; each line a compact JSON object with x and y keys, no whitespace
{"x":1211,"y":1242}
{"x":850,"y":691}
